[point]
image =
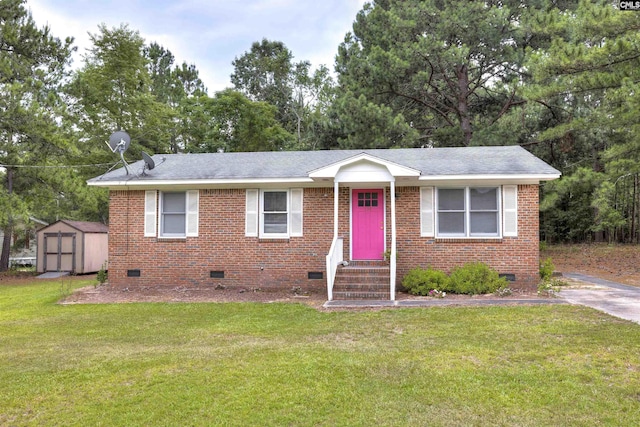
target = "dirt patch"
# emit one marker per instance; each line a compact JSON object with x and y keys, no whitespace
{"x":107,"y":294}
{"x":618,"y":263}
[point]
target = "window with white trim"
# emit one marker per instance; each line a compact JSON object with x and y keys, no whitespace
{"x":178,"y":213}
{"x":468,"y":212}
{"x":274,"y":213}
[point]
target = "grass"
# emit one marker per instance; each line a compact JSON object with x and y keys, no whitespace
{"x":288,"y":364}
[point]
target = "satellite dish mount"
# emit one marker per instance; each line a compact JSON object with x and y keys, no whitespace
{"x":119,"y":143}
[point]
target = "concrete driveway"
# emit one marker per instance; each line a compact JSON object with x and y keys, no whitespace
{"x":613,"y":298}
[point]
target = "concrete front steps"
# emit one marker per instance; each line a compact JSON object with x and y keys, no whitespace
{"x":362,"y":280}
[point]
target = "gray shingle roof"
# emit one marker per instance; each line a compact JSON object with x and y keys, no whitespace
{"x":494,"y":160}
{"x":87,"y":227}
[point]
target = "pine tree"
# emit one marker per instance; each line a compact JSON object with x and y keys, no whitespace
{"x":32,"y":66}
{"x":431,"y":72}
{"x":590,"y":75}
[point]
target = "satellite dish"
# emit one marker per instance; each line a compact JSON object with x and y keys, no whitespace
{"x":148,"y":161}
{"x":119,"y":141}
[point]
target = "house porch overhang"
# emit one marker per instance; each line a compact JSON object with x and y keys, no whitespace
{"x":361,"y":171}
{"x":364,"y":168}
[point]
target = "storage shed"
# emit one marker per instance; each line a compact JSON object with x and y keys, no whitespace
{"x":74,"y":246}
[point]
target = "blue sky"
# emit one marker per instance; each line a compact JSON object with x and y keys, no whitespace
{"x":208,"y":33}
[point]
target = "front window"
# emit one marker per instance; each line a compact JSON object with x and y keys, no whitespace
{"x":173,"y":211}
{"x":451,"y":212}
{"x":468,"y":212}
{"x":274,"y":212}
{"x":483,"y":211}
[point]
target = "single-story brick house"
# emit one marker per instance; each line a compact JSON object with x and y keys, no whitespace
{"x":294,"y":219}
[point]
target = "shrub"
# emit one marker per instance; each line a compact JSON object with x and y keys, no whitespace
{"x":102,"y":275}
{"x":475,"y":278}
{"x":546,"y":269}
{"x":420,"y":281}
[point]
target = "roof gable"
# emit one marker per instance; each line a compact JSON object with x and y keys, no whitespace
{"x":358,"y":166}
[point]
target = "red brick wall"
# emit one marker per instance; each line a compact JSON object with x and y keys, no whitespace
{"x":220,"y":246}
{"x":515,"y":255}
{"x":284,"y":263}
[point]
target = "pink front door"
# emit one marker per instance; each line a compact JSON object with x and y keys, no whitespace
{"x":367,"y":224}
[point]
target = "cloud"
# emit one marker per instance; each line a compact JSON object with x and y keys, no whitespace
{"x":209,"y":34}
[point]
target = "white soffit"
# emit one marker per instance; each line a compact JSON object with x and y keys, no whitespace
{"x":361,"y":166}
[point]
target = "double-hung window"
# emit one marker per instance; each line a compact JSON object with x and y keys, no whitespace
{"x":468,"y":212}
{"x":274,"y":213}
{"x":177,"y":213}
{"x":173,"y":214}
{"x":275,"y":208}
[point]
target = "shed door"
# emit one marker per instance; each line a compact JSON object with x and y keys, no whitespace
{"x":60,"y":252}
{"x":367,"y":224}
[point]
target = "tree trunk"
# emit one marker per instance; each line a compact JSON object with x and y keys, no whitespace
{"x":634,"y":198}
{"x":462,"y":73}
{"x":597,"y":166}
{"x":6,"y":248}
{"x":174,"y":144}
{"x":8,"y":229}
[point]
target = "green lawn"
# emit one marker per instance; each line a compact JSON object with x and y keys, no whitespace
{"x":288,"y":364}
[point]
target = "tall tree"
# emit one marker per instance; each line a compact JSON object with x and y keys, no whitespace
{"x":232,"y":122}
{"x":160,"y":65}
{"x":592,"y":72}
{"x":32,"y":66}
{"x":431,"y":72}
{"x":172,"y":85}
{"x":267,"y":73}
{"x":262,"y":74}
{"x":189,"y":76}
{"x":311,"y":94}
{"x":112,"y":91}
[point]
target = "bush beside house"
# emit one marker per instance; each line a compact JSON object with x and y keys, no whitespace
{"x":472,"y":278}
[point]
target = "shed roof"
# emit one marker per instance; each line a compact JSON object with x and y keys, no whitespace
{"x":88,"y":227}
{"x":83,"y":226}
{"x":274,"y":165}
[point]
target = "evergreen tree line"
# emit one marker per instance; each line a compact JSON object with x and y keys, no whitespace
{"x":557,"y":77}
